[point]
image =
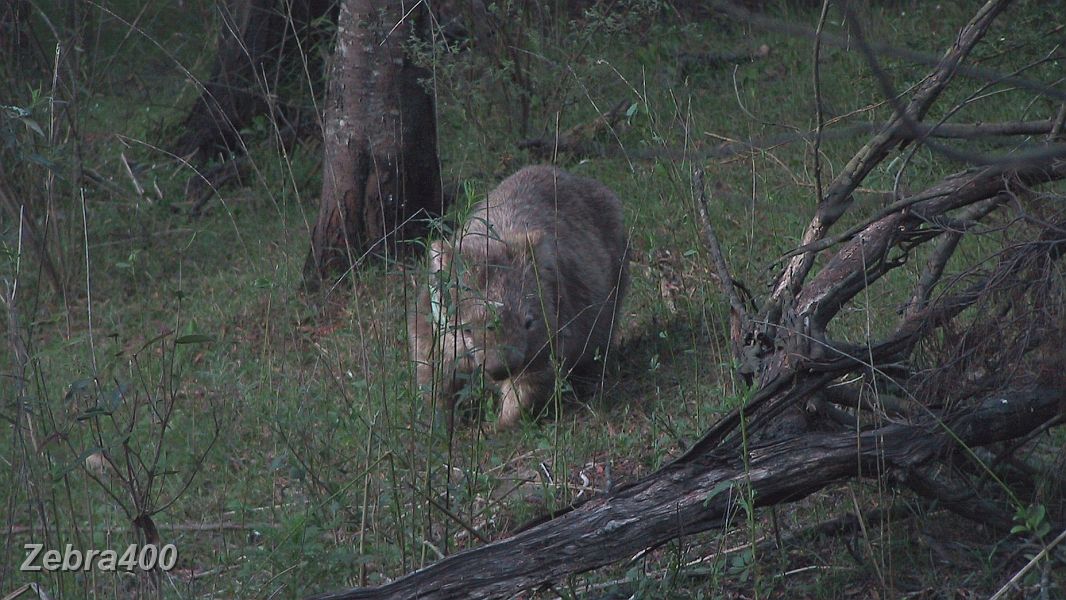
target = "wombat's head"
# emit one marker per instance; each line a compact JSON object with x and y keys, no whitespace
{"x":496,"y":295}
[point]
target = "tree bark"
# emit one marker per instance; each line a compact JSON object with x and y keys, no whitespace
{"x":381,"y":177}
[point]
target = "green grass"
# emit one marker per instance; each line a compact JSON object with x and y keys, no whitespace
{"x":313,"y":465}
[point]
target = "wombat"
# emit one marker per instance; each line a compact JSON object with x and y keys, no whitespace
{"x":530,"y":285}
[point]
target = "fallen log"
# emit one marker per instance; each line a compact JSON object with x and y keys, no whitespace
{"x":703,"y":492}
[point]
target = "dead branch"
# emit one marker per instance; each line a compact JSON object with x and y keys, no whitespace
{"x":838,"y":197}
{"x":843,"y":526}
{"x":944,"y":250}
{"x":738,"y":314}
{"x":577,"y":140}
{"x":965,"y":504}
{"x":1055,"y":134}
{"x":701,"y":494}
{"x":864,"y":258}
{"x":918,"y":324}
{"x":954,"y":191}
{"x":853,"y":397}
{"x":973,"y":131}
{"x":733,"y":148}
{"x":1035,"y":560}
{"x":976,"y":73}
{"x":689,"y":61}
{"x":202,"y":187}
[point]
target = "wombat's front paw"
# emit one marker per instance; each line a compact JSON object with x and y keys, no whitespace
{"x":510,"y":407}
{"x":519,"y":396}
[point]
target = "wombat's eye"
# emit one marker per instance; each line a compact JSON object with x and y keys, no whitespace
{"x":529,"y":322}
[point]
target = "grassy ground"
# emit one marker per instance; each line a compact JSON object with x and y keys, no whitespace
{"x":291,"y":454}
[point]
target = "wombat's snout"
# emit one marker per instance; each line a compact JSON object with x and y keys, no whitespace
{"x":502,"y":363}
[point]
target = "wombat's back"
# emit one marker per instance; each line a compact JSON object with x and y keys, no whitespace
{"x":581,"y":221}
{"x":557,"y":203}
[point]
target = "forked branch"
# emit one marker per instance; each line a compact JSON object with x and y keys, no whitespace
{"x":838,"y":196}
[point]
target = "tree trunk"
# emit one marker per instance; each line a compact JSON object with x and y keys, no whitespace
{"x":14,"y":39}
{"x":13,"y":26}
{"x":381,"y":177}
{"x":259,"y":48}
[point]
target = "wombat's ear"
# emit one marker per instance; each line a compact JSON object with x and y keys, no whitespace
{"x":541,"y":250}
{"x":525,"y":243}
{"x":533,"y":238}
{"x":439,"y":256}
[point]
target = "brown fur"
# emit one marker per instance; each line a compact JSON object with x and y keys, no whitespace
{"x":531,"y":282}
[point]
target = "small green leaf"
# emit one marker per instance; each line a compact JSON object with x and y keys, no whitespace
{"x":718,"y":489}
{"x":77,"y":388}
{"x":1037,"y":513}
{"x":33,"y":126}
{"x":91,"y":413}
{"x":40,"y":160}
{"x":116,"y":397}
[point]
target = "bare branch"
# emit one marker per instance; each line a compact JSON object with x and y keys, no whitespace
{"x":738,"y":315}
{"x":970,"y":131}
{"x":856,"y":266}
{"x":943,"y":252}
{"x":579,"y":138}
{"x":854,"y":396}
{"x":1035,"y":560}
{"x":1055,"y":135}
{"x":919,"y":323}
{"x":732,"y":148}
{"x":919,"y":58}
{"x":964,"y":504}
{"x":838,"y":197}
{"x":818,"y":116}
{"x":950,"y":193}
{"x":909,"y":124}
